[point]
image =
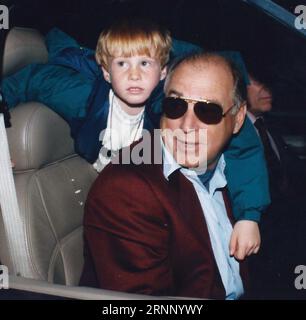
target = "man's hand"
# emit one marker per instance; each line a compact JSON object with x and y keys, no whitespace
{"x":245,"y":239}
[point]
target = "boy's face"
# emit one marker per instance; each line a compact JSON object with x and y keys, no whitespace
{"x":133,"y":78}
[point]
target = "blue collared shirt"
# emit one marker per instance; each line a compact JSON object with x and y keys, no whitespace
{"x":218,"y":223}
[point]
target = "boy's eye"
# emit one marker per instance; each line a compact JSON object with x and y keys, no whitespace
{"x":121,"y":63}
{"x":145,"y":63}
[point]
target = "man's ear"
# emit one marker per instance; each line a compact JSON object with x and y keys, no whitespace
{"x":239,"y":118}
{"x":106,"y":75}
{"x":163,"y":73}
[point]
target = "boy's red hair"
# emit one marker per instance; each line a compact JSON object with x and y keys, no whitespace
{"x":133,"y":37}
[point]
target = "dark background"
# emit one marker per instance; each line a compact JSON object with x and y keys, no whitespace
{"x":276,"y":54}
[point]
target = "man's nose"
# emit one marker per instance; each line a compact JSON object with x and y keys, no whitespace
{"x":189,"y":120}
{"x":134,"y":73}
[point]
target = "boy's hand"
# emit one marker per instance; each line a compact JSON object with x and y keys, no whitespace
{"x":245,"y":239}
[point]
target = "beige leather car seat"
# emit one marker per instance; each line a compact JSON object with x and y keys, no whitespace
{"x":22,"y":47}
{"x":52,"y":183}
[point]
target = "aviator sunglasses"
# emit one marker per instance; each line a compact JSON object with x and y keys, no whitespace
{"x":205,"y":110}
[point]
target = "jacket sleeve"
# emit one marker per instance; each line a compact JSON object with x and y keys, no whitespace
{"x":247,"y":174}
{"x":79,"y":59}
{"x":126,"y":237}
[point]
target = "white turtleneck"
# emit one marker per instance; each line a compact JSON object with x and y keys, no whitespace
{"x":122,"y":130}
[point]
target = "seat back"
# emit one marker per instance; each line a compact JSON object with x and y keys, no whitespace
{"x":52,"y":183}
{"x":22,"y":47}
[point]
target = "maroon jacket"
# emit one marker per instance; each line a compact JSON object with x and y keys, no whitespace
{"x":144,"y":234}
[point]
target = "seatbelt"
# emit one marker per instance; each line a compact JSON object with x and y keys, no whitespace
{"x":12,"y":220}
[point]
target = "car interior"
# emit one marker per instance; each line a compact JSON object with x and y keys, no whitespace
{"x":42,"y":243}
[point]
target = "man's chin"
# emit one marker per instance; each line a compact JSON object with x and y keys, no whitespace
{"x":190,"y":164}
{"x":265,"y":106}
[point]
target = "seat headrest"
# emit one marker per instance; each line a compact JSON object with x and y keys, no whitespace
{"x":38,"y":136}
{"x":22,"y":47}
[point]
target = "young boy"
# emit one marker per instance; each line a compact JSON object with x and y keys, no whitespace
{"x":133,"y":62}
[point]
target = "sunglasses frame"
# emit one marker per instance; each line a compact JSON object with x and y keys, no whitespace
{"x":195,"y":101}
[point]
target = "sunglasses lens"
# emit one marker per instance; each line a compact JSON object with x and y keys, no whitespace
{"x":174,"y":108}
{"x":209,"y":113}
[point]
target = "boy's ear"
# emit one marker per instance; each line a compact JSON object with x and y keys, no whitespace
{"x":163,"y":73}
{"x":106,"y":75}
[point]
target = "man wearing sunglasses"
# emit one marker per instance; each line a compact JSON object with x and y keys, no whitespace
{"x":164,"y":228}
